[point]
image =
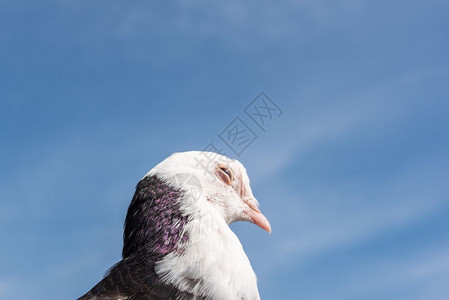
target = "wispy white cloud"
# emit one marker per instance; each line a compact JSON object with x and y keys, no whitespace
{"x":7,"y":286}
{"x":90,"y":265}
{"x":335,"y":220}
{"x":425,"y":274}
{"x":324,"y":221}
{"x":234,"y":25}
{"x":385,"y":103}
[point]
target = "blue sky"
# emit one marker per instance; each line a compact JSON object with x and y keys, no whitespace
{"x":353,"y":175}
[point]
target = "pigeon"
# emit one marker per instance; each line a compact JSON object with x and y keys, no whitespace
{"x":177,"y":243}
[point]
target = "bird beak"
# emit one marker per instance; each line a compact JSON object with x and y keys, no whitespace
{"x":257,"y":217}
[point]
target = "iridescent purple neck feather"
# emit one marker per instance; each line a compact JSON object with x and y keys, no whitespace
{"x":154,"y":221}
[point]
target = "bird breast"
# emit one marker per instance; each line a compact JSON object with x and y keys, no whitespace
{"x":212,"y":262}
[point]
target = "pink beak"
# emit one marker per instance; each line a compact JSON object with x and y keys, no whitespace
{"x":257,"y":217}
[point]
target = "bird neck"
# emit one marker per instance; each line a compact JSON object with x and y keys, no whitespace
{"x":154,"y":221}
{"x":212,"y":262}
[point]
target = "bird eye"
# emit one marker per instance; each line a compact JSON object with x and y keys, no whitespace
{"x":225,"y":174}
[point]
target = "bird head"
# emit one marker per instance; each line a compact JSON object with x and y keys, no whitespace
{"x":213,"y":182}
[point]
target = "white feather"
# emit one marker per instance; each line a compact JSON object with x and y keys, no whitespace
{"x":212,"y":263}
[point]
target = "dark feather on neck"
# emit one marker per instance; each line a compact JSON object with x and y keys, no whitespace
{"x":154,"y":222}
